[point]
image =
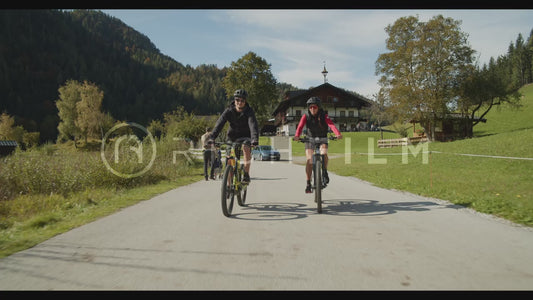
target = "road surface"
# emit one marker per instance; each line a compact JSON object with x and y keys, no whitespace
{"x":367,"y":238}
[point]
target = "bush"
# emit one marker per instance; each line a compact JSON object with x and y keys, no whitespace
{"x":63,"y":171}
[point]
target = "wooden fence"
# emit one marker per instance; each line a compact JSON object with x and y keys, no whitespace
{"x":389,"y":143}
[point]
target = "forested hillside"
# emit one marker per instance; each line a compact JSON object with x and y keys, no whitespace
{"x":41,"y":49}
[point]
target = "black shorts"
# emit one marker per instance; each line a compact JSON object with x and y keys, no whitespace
{"x":233,"y":136}
{"x":309,"y":145}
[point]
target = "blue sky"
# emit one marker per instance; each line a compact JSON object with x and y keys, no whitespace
{"x":297,"y":42}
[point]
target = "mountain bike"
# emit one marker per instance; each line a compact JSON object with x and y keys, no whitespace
{"x":232,"y":184}
{"x":318,"y":167}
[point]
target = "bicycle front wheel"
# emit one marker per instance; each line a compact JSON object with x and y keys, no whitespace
{"x":241,"y":198}
{"x":227,"y":193}
{"x":317,"y":173}
{"x":241,"y":194}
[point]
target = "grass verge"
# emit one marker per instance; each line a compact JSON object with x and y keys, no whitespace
{"x":493,"y":185}
{"x":56,"y":213}
{"x":497,"y":186}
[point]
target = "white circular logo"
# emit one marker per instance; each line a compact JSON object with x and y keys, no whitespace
{"x":127,"y":149}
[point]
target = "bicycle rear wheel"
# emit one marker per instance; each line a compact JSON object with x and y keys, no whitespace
{"x":317,"y":173}
{"x":227,"y":192}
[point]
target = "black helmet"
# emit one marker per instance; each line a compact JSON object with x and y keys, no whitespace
{"x":241,"y":93}
{"x":313,"y":100}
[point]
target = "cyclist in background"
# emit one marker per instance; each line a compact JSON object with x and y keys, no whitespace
{"x":217,"y":162}
{"x":317,"y":122}
{"x":209,"y":156}
{"x":242,"y":124}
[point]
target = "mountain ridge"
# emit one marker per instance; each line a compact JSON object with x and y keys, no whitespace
{"x":41,"y":49}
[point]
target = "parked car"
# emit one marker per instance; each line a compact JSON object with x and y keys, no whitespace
{"x":265,"y":152}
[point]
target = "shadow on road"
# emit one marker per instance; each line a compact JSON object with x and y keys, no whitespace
{"x":264,"y":178}
{"x":336,"y":207}
{"x":365,"y":207}
{"x":273,"y":211}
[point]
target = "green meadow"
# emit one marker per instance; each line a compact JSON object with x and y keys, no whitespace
{"x":484,"y":173}
{"x":52,"y":189}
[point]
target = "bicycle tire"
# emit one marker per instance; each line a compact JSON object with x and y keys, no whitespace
{"x":318,"y":184}
{"x":242,"y":198}
{"x":238,"y":185}
{"x":227,"y":192}
{"x":241,"y":194}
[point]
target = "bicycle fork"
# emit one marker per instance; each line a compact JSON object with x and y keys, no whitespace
{"x":322,"y":171}
{"x":239,"y":174}
{"x":238,"y":170}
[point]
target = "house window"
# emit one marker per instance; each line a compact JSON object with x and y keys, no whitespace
{"x":342,"y":113}
{"x":298,"y":113}
{"x":350,"y":113}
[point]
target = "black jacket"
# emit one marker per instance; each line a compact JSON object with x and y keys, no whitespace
{"x":316,"y":125}
{"x":241,"y":124}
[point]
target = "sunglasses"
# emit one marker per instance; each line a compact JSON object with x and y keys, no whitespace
{"x":313,"y":107}
{"x":237,"y":99}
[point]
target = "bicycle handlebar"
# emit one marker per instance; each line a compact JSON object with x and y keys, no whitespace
{"x":239,"y":141}
{"x":317,"y":140}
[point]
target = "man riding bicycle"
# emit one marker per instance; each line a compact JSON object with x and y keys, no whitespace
{"x":242,"y":124}
{"x":317,"y":122}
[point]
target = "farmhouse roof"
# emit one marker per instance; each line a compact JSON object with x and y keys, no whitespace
{"x":345,"y":98}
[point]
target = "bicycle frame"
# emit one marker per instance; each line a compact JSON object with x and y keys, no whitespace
{"x":234,"y":160}
{"x":318,"y":168}
{"x":232,"y":180}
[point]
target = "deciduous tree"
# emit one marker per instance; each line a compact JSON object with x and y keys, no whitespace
{"x":421,"y":72}
{"x":252,"y":73}
{"x":89,"y":111}
{"x":482,"y":88}
{"x":80,"y":111}
{"x":8,"y":130}
{"x":69,"y":95}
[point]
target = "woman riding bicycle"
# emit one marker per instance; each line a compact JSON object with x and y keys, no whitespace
{"x":242,"y":124}
{"x":317,"y":122}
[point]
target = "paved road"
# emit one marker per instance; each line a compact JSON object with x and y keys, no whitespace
{"x":367,"y":238}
